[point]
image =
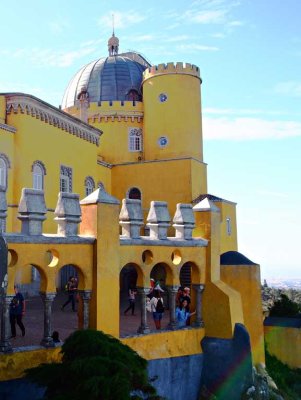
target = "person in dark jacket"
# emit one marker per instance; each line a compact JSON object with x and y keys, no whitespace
{"x":16,"y":312}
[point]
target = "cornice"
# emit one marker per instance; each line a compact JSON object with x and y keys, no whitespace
{"x":8,"y":128}
{"x":25,"y":104}
{"x":116,"y":116}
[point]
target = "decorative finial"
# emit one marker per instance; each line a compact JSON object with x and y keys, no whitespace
{"x":113,"y":42}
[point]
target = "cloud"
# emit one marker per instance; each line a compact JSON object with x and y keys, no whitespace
{"x":121,"y":19}
{"x":248,"y":129}
{"x":289,"y":88}
{"x":210,"y":12}
{"x":50,"y":57}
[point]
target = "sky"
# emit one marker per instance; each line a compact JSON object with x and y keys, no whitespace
{"x":249,"y":55}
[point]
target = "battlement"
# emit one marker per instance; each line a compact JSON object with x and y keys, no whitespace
{"x":172,"y":68}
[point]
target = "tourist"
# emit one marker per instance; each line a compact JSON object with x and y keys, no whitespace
{"x":182,"y":314}
{"x":71,"y":289}
{"x":151,"y":289}
{"x":132,"y":300}
{"x":186,"y":296}
{"x":179,"y":296}
{"x":157,"y":308}
{"x":55,"y":337}
{"x":16,"y":312}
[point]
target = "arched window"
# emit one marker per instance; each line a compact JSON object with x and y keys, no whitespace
{"x":135,"y":139}
{"x":89,"y":185}
{"x":65,"y":179}
{"x":3,"y":172}
{"x":37,"y":177}
{"x":4,"y":165}
{"x":134,"y":193}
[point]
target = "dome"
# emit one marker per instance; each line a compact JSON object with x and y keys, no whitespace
{"x":107,"y":79}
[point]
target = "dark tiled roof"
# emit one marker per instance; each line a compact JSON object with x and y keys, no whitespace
{"x":235,"y":258}
{"x":211,"y":197}
{"x":284,"y":322}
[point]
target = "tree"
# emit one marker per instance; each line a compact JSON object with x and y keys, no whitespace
{"x":94,"y":366}
{"x":284,"y":307}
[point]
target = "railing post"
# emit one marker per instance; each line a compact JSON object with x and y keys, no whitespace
{"x":172,"y":306}
{"x":86,"y":297}
{"x":143,"y":328}
{"x":47,"y":298}
{"x":5,"y":346}
{"x":199,"y":322}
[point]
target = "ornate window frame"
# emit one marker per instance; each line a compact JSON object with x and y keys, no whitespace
{"x":37,"y":182}
{"x":65,"y":179}
{"x":135,"y":139}
{"x":4,"y":171}
{"x":89,"y":185}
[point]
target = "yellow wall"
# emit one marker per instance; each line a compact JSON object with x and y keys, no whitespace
{"x":12,"y":366}
{"x":221,"y":304}
{"x":285,"y":344}
{"x":37,"y":140}
{"x":227,"y":242}
{"x":245,"y":279}
{"x":39,"y":255}
{"x":163,"y":254}
{"x":7,"y":148}
{"x":178,"y":118}
{"x":171,"y":344}
{"x":166,"y":180}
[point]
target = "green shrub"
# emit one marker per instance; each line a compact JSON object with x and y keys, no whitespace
{"x":95,"y":366}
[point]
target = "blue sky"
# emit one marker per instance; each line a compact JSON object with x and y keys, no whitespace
{"x":249,"y":54}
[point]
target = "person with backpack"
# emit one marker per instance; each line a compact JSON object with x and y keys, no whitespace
{"x":157,"y":308}
{"x":70,"y":289}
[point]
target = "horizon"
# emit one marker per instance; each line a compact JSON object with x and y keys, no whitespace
{"x":249,"y":56}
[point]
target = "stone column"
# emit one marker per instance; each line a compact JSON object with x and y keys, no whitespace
{"x":5,"y":346}
{"x":172,"y":290}
{"x":86,"y":297}
{"x":143,"y":328}
{"x":47,"y":300}
{"x":199,"y":305}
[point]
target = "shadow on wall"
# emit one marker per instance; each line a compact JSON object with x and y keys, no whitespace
{"x":227,"y":367}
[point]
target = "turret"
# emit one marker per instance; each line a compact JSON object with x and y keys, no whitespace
{"x":172,"y":112}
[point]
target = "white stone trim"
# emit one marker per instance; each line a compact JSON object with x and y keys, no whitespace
{"x":29,"y":105}
{"x":8,"y":128}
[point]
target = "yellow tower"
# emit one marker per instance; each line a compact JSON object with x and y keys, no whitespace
{"x":172,"y":112}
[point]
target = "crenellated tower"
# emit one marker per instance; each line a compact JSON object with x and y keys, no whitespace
{"x":172,"y":112}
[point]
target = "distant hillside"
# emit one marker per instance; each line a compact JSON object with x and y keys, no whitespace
{"x":285,"y":283}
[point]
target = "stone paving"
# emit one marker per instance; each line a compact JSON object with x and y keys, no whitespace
{"x":66,"y":322}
